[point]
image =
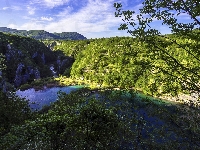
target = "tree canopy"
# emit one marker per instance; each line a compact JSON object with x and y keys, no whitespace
{"x":178,"y":69}
{"x":109,"y":118}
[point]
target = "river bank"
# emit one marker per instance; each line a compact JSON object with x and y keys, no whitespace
{"x":62,"y":81}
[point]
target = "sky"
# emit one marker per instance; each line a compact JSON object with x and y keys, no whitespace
{"x":91,"y":18}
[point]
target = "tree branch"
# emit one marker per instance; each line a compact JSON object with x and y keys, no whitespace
{"x":190,"y":13}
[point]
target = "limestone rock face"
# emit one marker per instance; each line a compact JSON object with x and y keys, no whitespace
{"x":23,"y":74}
{"x":43,"y":58}
{"x":8,"y":46}
{"x":63,"y":64}
{"x":37,"y":73}
{"x":18,"y":75}
{"x":27,"y":59}
{"x":23,"y":71}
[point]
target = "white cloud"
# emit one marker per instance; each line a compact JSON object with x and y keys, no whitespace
{"x":5,"y":8}
{"x":46,"y":18}
{"x":26,"y":17}
{"x":96,"y":17}
{"x":64,"y":13}
{"x":31,"y":10}
{"x":13,"y":26}
{"x":16,"y":8}
{"x":12,"y":8}
{"x":53,"y":3}
{"x":50,"y":3}
{"x":184,"y":16}
{"x":31,"y":26}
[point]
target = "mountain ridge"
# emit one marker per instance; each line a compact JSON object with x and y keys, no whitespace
{"x":42,"y":34}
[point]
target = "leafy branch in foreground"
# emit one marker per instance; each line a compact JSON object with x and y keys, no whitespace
{"x":175,"y":56}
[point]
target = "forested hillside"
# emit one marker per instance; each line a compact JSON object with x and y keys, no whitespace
{"x":115,"y":116}
{"x":24,"y":59}
{"x":41,"y":34}
{"x":125,"y":62}
{"x":117,"y":113}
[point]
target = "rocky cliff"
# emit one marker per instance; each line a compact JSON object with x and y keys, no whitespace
{"x":26,"y":59}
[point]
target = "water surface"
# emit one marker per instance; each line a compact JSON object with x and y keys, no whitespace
{"x":40,"y":98}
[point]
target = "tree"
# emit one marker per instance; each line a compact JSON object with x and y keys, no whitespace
{"x":77,"y":122}
{"x":2,"y":56}
{"x":13,"y":111}
{"x":175,"y":58}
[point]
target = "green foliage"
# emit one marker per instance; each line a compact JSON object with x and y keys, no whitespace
{"x":126,"y":62}
{"x":39,"y":84}
{"x":68,"y":47}
{"x":45,"y":71}
{"x":25,"y":87}
{"x":77,"y":121}
{"x":67,"y":72}
{"x":13,"y":111}
{"x":44,"y":35}
{"x":153,"y":63}
{"x":22,"y":50}
{"x":73,"y":122}
{"x":70,"y":36}
{"x":174,"y":58}
{"x":2,"y":62}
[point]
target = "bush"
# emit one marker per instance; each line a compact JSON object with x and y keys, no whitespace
{"x":25,"y":87}
{"x":13,"y":111}
{"x":67,"y":72}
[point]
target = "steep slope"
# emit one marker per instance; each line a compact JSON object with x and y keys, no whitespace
{"x":125,"y":62}
{"x":26,"y":59}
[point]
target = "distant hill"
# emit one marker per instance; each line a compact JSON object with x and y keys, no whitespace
{"x":41,"y":34}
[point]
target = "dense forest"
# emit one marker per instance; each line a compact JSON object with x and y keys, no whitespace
{"x":123,"y":62}
{"x":107,"y":112}
{"x":106,"y":63}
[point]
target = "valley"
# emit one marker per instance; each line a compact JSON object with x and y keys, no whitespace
{"x":110,"y":72}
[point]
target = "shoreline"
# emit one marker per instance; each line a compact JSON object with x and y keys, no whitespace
{"x":62,"y":81}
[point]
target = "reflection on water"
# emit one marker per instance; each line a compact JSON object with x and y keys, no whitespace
{"x":44,"y":97}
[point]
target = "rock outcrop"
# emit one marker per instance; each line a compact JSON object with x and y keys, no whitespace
{"x":26,"y":59}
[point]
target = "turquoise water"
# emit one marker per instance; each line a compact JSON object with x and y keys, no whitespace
{"x":38,"y":99}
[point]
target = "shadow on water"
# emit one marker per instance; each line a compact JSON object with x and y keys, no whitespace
{"x":158,"y":118}
{"x":154,"y":116}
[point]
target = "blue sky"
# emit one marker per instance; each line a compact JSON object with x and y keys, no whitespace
{"x":91,"y":18}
